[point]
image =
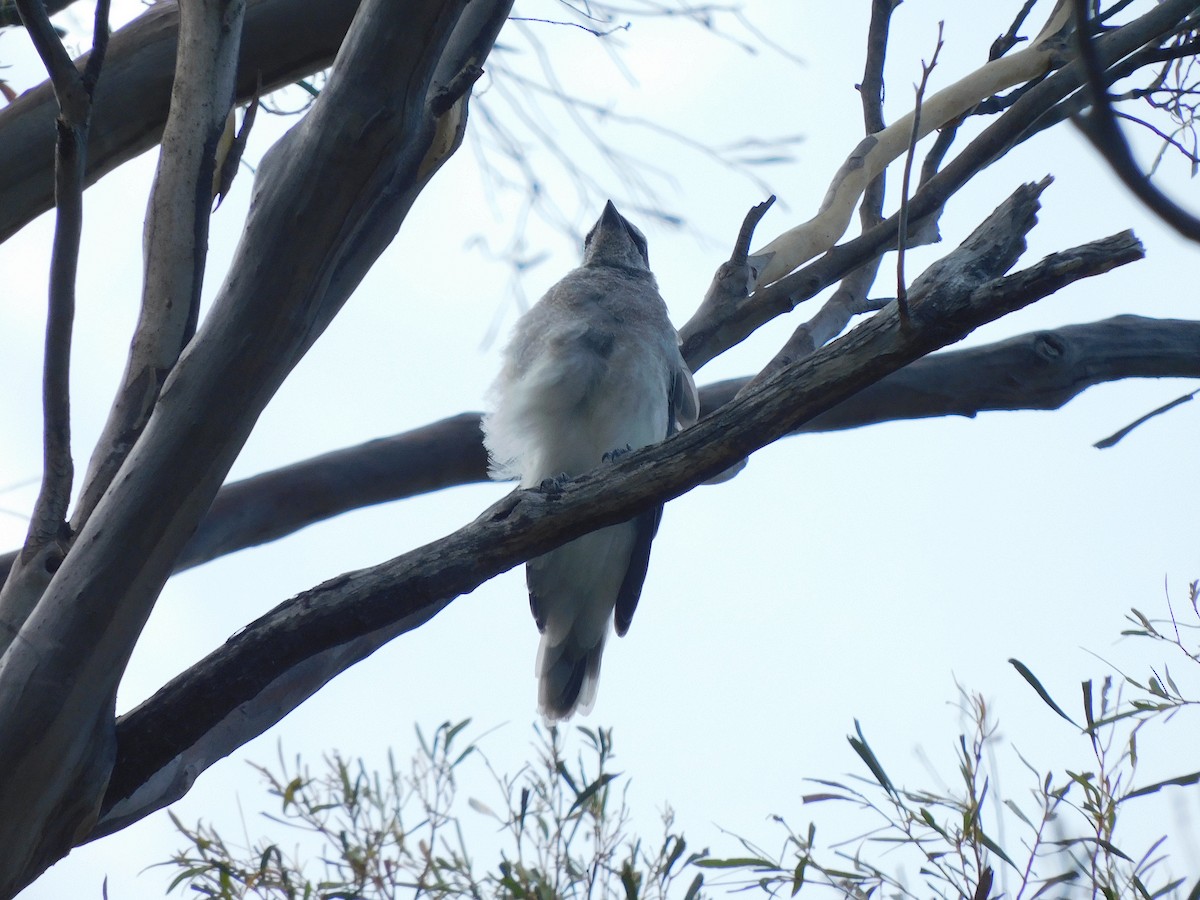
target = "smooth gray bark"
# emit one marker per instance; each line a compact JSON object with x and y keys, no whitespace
{"x":283,"y":39}
{"x":380,"y":123}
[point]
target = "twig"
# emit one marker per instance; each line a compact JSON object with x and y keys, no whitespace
{"x":902,"y":237}
{"x":1100,"y":127}
{"x":1113,"y":439}
{"x":1009,"y":39}
{"x":741,"y":247}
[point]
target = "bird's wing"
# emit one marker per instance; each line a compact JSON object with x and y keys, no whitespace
{"x":684,"y":402}
{"x":683,"y":407}
{"x":645,"y":527}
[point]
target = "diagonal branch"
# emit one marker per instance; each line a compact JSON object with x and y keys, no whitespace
{"x":1039,"y":371}
{"x":176,"y":232}
{"x":274,"y":663}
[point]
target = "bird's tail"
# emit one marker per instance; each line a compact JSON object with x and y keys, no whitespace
{"x":568,"y":675}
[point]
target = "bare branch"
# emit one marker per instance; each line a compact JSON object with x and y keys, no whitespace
{"x":1039,"y":371}
{"x":902,"y":236}
{"x":735,"y":278}
{"x":1113,"y":439}
{"x":176,"y":232}
{"x":1009,"y":39}
{"x":249,"y":683}
{"x":10,"y":13}
{"x":798,"y":245}
{"x":373,"y":123}
{"x":48,"y":535}
{"x":850,"y":296}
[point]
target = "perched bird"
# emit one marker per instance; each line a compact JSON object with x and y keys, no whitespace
{"x":593,"y":368}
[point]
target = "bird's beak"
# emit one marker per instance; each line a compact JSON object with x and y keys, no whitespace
{"x":610,"y":217}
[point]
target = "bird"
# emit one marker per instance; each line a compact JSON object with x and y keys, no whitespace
{"x":593,"y":369}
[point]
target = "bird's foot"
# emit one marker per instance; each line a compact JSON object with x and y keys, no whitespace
{"x":614,"y":455}
{"x":554,"y":485}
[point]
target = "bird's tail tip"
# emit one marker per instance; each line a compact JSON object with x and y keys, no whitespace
{"x":568,"y":676}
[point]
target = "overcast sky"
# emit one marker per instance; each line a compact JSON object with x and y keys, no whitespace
{"x":856,"y":575}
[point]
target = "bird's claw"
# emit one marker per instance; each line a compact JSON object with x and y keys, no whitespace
{"x":554,"y":485}
{"x":614,"y":455}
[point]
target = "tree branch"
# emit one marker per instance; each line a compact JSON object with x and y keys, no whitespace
{"x":10,"y":13}
{"x":284,"y":39}
{"x":372,"y":125}
{"x":796,"y":246}
{"x":1038,"y":371}
{"x":257,"y":676}
{"x":176,"y":232}
{"x":705,"y":336}
{"x":48,"y":535}
{"x":833,"y":317}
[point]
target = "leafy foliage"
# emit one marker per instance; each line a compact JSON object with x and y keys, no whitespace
{"x":565,"y":829}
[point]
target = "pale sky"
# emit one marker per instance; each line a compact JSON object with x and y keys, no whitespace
{"x":839,"y":577}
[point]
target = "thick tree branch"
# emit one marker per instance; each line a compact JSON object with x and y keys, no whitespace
{"x":1038,"y":371}
{"x":373,"y":126}
{"x":54,"y":816}
{"x":283,"y":40}
{"x":257,"y":676}
{"x":176,"y":232}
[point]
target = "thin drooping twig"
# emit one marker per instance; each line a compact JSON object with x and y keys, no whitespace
{"x":1100,"y":127}
{"x":1113,"y":439}
{"x":902,"y":237}
{"x":74,"y":90}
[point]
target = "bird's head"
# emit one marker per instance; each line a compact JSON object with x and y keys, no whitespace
{"x":617,"y":242}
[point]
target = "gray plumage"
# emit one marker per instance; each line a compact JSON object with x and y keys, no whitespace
{"x":593,"y":367}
